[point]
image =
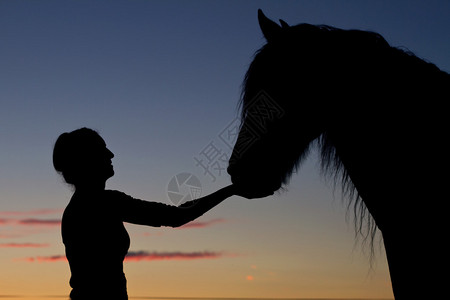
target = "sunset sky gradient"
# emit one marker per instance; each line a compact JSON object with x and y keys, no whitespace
{"x":160,"y":81}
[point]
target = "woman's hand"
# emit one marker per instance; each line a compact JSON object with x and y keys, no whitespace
{"x":252,"y":191}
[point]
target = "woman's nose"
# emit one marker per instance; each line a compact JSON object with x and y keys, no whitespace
{"x":110,"y":154}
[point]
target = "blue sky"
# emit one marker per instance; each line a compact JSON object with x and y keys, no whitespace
{"x":160,"y":80}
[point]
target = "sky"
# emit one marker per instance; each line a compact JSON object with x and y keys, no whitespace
{"x":160,"y":81}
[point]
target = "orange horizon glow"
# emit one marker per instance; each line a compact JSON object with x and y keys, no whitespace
{"x":27,"y":226}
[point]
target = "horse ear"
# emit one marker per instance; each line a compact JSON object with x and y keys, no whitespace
{"x":269,"y":28}
{"x":284,"y":24}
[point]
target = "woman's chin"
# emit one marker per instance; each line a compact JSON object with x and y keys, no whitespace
{"x":111,"y":174}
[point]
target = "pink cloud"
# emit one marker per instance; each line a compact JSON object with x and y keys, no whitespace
{"x":46,"y":222}
{"x":145,"y":255}
{"x":199,"y":224}
{"x":133,"y":256}
{"x":147,"y":234}
{"x":14,"y":228}
{"x":14,"y":218}
{"x":25,"y":223}
{"x":30,"y":222}
{"x":23,"y":245}
{"x":43,"y":259}
{"x":4,"y":221}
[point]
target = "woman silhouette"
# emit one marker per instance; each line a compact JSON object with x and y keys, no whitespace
{"x":95,"y":239}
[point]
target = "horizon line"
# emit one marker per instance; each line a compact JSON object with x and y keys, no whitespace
{"x":212,"y":298}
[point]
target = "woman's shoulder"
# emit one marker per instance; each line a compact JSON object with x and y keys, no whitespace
{"x":117,"y":198}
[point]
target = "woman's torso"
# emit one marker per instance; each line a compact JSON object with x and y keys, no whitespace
{"x":96,"y":243}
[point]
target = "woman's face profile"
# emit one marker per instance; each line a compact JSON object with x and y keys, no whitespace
{"x":102,"y":157}
{"x":96,"y":160}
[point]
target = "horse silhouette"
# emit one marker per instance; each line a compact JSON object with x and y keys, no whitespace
{"x":378,"y":117}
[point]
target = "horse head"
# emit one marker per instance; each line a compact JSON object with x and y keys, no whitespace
{"x":266,"y":152}
{"x":304,"y":83}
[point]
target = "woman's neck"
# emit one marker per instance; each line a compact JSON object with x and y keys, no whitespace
{"x":90,"y":187}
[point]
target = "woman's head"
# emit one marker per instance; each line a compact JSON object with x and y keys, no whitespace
{"x":82,"y":158}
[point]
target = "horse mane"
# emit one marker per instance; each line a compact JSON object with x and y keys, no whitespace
{"x":368,"y":41}
{"x":263,"y":55}
{"x":265,"y":62}
{"x":332,"y":168}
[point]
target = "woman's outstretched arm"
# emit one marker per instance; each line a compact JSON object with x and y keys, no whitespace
{"x":191,"y":210}
{"x":158,"y":214}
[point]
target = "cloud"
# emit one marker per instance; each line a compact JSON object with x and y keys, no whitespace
{"x":23,"y":245}
{"x":43,"y":259}
{"x":24,"y":223}
{"x":147,"y":234}
{"x":199,"y":224}
{"x":177,"y":255}
{"x":133,"y":256}
{"x":57,"y":222}
{"x":45,"y":222}
{"x":18,"y":224}
{"x":31,"y":222}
